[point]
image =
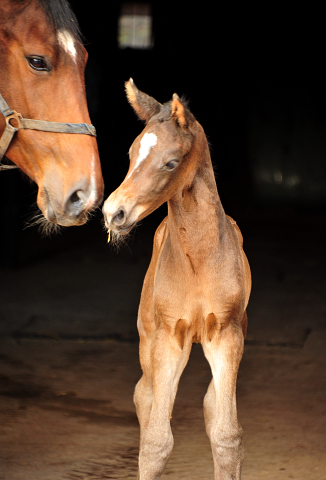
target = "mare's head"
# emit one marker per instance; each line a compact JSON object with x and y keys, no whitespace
{"x":42,"y":77}
{"x":161,"y":163}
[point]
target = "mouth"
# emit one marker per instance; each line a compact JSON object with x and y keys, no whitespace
{"x":126,"y":230}
{"x":49,"y":212}
{"x":121,"y":230}
{"x":60,"y":218}
{"x":72,"y":221}
{"x":65,"y":220}
{"x":68,"y":221}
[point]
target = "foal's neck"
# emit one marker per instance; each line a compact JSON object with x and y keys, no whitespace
{"x":196,"y":217}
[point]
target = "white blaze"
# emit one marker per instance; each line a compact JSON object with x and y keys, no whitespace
{"x":148,"y":141}
{"x":67,"y":42}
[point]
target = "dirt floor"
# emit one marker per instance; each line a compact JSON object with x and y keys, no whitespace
{"x":69,"y":362}
{"x":67,"y":413}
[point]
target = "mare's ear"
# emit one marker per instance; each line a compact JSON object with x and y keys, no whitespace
{"x":144,"y":105}
{"x":178,"y":112}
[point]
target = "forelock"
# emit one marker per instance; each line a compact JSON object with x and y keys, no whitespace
{"x":61,"y":16}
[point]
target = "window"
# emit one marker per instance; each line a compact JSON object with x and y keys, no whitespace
{"x":135,"y":26}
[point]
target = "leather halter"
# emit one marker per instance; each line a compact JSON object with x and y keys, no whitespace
{"x":45,"y":126}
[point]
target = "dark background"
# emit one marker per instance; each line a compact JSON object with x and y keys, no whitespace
{"x":254,"y":77}
{"x":242,"y":69}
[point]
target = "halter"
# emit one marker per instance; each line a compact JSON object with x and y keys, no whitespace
{"x":27,"y":123}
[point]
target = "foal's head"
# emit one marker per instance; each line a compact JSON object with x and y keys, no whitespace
{"x":160,"y":160}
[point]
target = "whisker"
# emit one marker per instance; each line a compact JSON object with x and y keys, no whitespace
{"x":118,"y":241}
{"x":44,"y":227}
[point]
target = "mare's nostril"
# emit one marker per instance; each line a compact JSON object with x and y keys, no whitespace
{"x":119,"y":217}
{"x":75,"y":197}
{"x":77,"y":202}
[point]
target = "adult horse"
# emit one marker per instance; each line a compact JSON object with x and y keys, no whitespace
{"x":44,"y":120}
{"x":197,"y":285}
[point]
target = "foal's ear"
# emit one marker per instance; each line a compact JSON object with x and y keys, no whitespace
{"x":144,"y":105}
{"x":178,"y":112}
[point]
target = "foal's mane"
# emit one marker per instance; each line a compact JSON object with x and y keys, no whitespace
{"x":165,"y":112}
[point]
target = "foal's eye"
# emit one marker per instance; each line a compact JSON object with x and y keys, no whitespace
{"x":38,"y":63}
{"x":171,"y":165}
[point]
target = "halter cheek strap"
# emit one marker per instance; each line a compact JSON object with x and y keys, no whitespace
{"x":15,"y":122}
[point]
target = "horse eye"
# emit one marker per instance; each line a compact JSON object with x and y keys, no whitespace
{"x":38,"y":63}
{"x":171,"y":165}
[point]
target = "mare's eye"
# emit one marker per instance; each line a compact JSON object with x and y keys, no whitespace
{"x":38,"y":63}
{"x":171,"y":165}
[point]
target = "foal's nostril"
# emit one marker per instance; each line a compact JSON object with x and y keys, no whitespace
{"x":119,"y":217}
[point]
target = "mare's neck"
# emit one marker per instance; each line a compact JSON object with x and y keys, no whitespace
{"x":196,"y":218}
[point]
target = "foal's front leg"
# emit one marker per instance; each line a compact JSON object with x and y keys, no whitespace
{"x":224,"y":353}
{"x":163,"y":361}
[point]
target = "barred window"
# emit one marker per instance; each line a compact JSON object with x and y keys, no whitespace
{"x":135,"y":26}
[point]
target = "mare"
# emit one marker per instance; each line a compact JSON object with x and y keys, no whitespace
{"x":44,"y":119}
{"x":196,"y":288}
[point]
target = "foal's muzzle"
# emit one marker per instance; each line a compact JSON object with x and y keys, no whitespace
{"x":117,"y":222}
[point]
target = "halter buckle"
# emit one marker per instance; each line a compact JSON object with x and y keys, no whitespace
{"x":14,"y":120}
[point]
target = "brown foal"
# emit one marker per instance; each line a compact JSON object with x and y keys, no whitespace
{"x":197,"y":285}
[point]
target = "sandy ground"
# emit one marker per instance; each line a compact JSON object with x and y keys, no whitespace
{"x":69,"y":361}
{"x":67,"y":412}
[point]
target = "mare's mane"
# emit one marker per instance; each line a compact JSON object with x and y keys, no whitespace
{"x":59,"y":14}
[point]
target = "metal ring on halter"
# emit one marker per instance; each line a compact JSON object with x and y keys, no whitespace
{"x":17,"y":118}
{"x":28,"y":123}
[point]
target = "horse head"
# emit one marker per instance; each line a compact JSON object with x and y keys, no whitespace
{"x":160,"y":160}
{"x":42,"y":78}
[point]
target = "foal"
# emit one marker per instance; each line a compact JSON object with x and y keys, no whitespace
{"x":197,"y":285}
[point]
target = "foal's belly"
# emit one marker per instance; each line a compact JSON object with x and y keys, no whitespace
{"x":199,"y":312}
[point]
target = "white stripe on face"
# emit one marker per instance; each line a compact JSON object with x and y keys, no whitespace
{"x":148,"y":141}
{"x":67,"y":42}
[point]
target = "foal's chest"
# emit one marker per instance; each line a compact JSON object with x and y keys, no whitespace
{"x":199,"y":295}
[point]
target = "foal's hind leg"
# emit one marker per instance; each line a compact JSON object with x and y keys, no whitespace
{"x":162,"y":360}
{"x":224,"y":353}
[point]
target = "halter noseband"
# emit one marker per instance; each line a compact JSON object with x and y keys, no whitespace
{"x":27,"y":123}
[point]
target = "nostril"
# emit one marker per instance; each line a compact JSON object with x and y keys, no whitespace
{"x":77,"y":202}
{"x":75,"y":197}
{"x":119,"y":217}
